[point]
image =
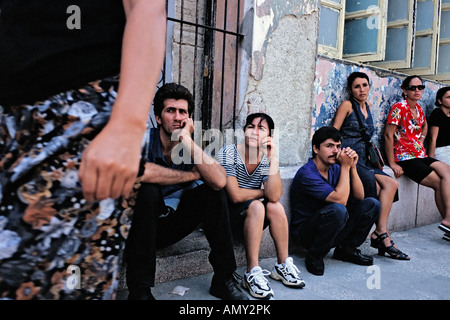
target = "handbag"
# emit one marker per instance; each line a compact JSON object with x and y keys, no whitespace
{"x":374,"y":156}
{"x":373,"y":153}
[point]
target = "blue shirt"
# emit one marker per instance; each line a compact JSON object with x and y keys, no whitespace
{"x":309,"y":189}
{"x":171,"y":193}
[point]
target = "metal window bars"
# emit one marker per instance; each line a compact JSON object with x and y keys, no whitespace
{"x":203,"y":55}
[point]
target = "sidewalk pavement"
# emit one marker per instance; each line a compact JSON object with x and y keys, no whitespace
{"x":425,"y":277}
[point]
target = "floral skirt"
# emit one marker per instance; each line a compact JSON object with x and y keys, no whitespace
{"x":53,"y":244}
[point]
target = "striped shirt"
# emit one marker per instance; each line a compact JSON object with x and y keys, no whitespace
{"x":234,"y":165}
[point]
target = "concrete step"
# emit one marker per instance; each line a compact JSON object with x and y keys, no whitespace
{"x":189,"y":257}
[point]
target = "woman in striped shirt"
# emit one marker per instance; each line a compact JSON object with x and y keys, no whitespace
{"x":254,"y":189}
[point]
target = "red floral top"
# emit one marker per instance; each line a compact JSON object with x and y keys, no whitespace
{"x":406,"y":139}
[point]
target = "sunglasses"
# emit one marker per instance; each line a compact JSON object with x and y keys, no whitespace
{"x":413,"y":88}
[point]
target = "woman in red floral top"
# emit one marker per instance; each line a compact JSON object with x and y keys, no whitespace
{"x":405,"y":131}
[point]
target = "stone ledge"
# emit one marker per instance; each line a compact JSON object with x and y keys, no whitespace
{"x":189,"y":257}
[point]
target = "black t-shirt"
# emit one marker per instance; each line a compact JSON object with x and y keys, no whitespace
{"x":47,"y":46}
{"x":439,"y":119}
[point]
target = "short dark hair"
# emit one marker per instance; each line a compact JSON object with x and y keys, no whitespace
{"x":172,"y":91}
{"x":440,"y":94}
{"x":405,"y":83}
{"x":263,"y":116}
{"x":324,"y":133}
{"x":352,"y":78}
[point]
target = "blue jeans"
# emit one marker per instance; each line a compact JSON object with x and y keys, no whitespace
{"x":336,"y":224}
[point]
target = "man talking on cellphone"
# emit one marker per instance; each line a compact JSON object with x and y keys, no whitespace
{"x":175,"y":197}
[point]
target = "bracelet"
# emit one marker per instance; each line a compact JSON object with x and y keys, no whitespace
{"x":422,"y":136}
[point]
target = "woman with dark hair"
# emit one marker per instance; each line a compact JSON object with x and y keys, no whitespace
{"x":376,"y":183}
{"x":439,"y":123}
{"x":405,"y":131}
{"x":254,"y":189}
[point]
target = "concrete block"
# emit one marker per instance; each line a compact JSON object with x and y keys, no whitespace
{"x":189,"y":257}
{"x":403,"y":212}
{"x":287,"y":175}
{"x":415,"y":208}
{"x":427,"y":211}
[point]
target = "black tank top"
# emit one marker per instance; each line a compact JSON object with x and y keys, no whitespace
{"x":49,"y":46}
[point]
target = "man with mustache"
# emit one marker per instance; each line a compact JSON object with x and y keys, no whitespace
{"x":328,"y":205}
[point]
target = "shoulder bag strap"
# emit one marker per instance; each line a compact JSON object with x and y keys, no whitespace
{"x":362,"y":127}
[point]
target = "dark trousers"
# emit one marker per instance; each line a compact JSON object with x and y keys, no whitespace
{"x":150,"y":232}
{"x":336,"y":224}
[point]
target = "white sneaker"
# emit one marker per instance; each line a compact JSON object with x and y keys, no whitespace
{"x":287,"y":273}
{"x":256,"y":284}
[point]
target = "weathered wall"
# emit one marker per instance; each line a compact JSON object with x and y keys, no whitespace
{"x":281,"y":75}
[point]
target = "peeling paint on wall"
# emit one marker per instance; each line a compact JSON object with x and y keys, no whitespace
{"x":268,"y":14}
{"x":286,"y":85}
{"x":261,"y":29}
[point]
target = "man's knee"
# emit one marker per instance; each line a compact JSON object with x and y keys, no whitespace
{"x":369,"y":207}
{"x":210,"y":202}
{"x":337,"y":212}
{"x":207,"y":192}
{"x":148,"y":196}
{"x":149,"y":191}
